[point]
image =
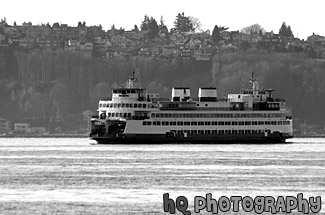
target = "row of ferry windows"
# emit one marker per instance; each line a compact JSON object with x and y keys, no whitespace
{"x":125,"y":105}
{"x":216,"y":115}
{"x":119,"y":114}
{"x":221,"y":131}
{"x":190,"y":123}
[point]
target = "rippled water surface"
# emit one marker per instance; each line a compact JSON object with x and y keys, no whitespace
{"x":72,"y":176}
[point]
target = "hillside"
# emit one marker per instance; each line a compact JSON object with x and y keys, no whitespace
{"x":43,"y":85}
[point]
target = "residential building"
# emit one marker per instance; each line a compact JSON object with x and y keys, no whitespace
{"x":27,"y":43}
{"x":316,"y":39}
{"x":4,"y":126}
{"x":85,"y":48}
{"x":21,"y":127}
{"x":121,"y":42}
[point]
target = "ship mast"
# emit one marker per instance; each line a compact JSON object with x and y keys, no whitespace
{"x":130,"y":83}
{"x":255,"y":84}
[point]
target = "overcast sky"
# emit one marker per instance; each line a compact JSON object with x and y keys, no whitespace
{"x":304,"y":17}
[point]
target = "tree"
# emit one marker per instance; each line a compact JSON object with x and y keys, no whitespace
{"x":153,"y":28}
{"x":196,"y":24}
{"x":151,"y":25}
{"x":253,"y":29}
{"x":162,"y":23}
{"x":216,"y":33}
{"x":285,"y":30}
{"x":145,"y":23}
{"x":183,"y":23}
{"x":136,"y":28}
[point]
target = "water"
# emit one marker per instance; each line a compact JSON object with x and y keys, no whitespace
{"x":71,"y":176}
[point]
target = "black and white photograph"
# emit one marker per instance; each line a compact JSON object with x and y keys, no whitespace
{"x":162,"y":107}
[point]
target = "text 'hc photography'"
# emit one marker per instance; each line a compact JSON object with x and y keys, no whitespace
{"x":259,"y":204}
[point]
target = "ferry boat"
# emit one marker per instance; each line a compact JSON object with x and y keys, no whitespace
{"x":134,"y":116}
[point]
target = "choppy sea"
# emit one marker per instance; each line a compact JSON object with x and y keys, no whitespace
{"x":75,"y":176}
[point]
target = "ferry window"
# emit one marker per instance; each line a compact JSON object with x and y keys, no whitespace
{"x":139,"y":105}
{"x":201,"y":131}
{"x":144,"y":105}
{"x":221,"y":123}
{"x":111,"y":105}
{"x":194,"y":123}
{"x":144,"y":123}
{"x":108,"y":114}
{"x":194,"y":131}
{"x":261,"y":123}
{"x":113,"y":114}
{"x":207,"y":132}
{"x":127,"y":105}
{"x":169,"y":115}
{"x":135,"y":105}
{"x":179,"y":123}
{"x":149,"y":123}
{"x":125,"y":114}
{"x":157,"y":115}
{"x":187,"y":123}
{"x":248,"y":123}
{"x":279,"y":122}
{"x":214,"y":123}
{"x":234,"y":123}
{"x":254,"y":123}
{"x":114,"y":91}
{"x":129,"y":114}
{"x":187,"y":115}
{"x":119,"y":105}
{"x":267,"y":123}
{"x":123,"y":105}
{"x":227,"y":123}
{"x":158,"y":123}
{"x":166,"y":115}
{"x":221,"y":131}
{"x":154,"y":123}
{"x":153,"y":115}
{"x":207,"y":123}
{"x":273,"y":122}
{"x":201,"y":123}
{"x":167,"y":123}
{"x":172,"y":123}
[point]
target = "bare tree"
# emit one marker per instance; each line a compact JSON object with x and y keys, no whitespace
{"x":253,"y":29}
{"x":196,"y":24}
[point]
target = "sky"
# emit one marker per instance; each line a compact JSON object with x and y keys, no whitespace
{"x":304,"y":17}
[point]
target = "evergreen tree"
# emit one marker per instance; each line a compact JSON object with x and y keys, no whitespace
{"x":162,"y":23}
{"x":183,"y":23}
{"x":153,"y":28}
{"x":144,"y":25}
{"x":136,"y":28}
{"x":285,"y":30}
{"x":216,"y":33}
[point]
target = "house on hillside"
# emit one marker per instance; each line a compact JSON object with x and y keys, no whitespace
{"x":316,"y":40}
{"x":4,"y":126}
